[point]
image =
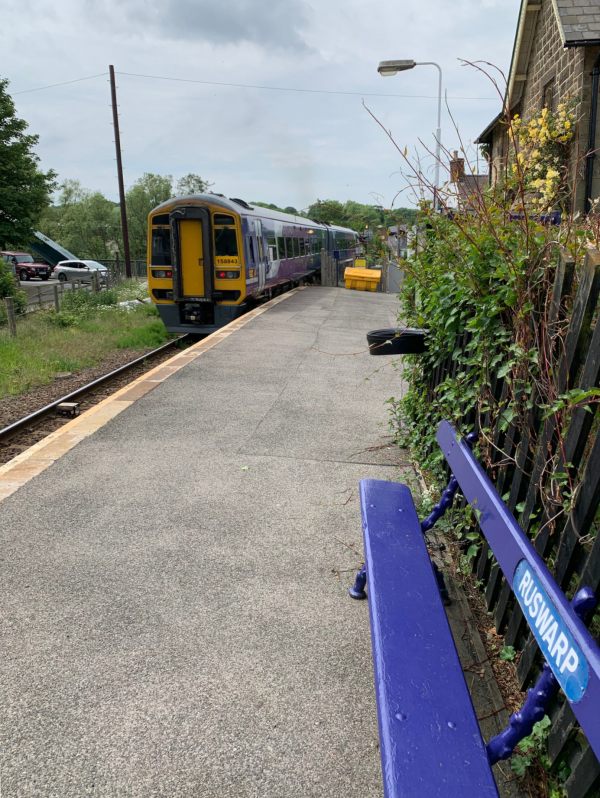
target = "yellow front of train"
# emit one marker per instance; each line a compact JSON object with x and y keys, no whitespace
{"x":196,"y":272}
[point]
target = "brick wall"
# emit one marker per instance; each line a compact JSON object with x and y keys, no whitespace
{"x":556,"y":73}
{"x":550,"y":61}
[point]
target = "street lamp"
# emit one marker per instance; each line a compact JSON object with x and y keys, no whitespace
{"x":388,"y":68}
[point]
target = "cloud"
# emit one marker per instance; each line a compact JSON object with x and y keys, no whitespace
{"x":279,"y":25}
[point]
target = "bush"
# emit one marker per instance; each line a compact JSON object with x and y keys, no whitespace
{"x":83,"y":302}
{"x":10,"y":288}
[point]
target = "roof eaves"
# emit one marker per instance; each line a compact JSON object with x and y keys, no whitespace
{"x":559,"y":22}
{"x":582,"y":42}
{"x":486,"y":135}
{"x":528,"y":15}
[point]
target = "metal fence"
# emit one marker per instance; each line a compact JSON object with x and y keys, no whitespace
{"x":116,"y":268}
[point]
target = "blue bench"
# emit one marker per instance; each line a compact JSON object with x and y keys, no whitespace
{"x":430,"y":740}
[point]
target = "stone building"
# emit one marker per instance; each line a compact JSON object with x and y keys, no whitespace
{"x":556,"y":57}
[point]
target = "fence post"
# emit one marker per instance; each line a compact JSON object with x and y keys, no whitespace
{"x":95,"y":282}
{"x":10,"y":315}
{"x":328,"y":269}
{"x":56,"y":302}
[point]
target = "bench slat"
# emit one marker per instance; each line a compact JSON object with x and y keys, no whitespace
{"x":530,"y":579}
{"x":431,"y":744}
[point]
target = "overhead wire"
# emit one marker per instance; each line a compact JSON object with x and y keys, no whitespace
{"x":294,"y":89}
{"x":63,"y":83}
{"x":247,"y":86}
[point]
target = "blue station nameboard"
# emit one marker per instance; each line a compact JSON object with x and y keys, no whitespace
{"x":562,"y":653}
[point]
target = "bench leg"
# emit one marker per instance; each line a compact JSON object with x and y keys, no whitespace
{"x":357,"y":591}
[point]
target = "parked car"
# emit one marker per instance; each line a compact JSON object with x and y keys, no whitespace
{"x":82,"y":270}
{"x":25,"y":266}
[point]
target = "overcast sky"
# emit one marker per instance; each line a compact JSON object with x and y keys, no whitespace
{"x":176,"y":60}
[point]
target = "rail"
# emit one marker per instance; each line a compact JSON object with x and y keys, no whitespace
{"x":21,"y":423}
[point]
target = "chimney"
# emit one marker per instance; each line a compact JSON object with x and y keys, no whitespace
{"x":457,"y":168}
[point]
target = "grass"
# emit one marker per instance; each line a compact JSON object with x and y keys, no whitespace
{"x":88,"y":328}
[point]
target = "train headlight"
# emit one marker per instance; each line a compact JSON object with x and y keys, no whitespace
{"x":162,"y":273}
{"x":222,"y":275}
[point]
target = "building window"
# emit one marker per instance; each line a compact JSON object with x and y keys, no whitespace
{"x":549,"y":95}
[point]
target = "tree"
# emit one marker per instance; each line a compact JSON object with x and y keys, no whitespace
{"x":192,"y":184}
{"x":328,"y":212}
{"x":24,"y":189}
{"x":84,"y":222}
{"x":146,"y":193}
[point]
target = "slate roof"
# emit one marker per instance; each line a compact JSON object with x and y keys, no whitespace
{"x":579,"y":21}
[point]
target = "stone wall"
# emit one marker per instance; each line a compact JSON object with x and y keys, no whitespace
{"x":557,"y":74}
{"x":550,"y":61}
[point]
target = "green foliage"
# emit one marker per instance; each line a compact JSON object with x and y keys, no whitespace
{"x":62,"y":319}
{"x":507,"y":654}
{"x":328,"y":212}
{"x":48,"y":343}
{"x":152,"y":335}
{"x":362,"y":218}
{"x":192,"y":184}
{"x":10,"y":287}
{"x":146,"y":193}
{"x":84,"y":222}
{"x":24,"y":188}
{"x":88,"y":224}
{"x":83,"y":302}
{"x":532,"y":748}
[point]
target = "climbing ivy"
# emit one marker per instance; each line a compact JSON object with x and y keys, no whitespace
{"x":480,"y":282}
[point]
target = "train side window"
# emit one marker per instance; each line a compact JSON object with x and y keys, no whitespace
{"x":296,"y":247}
{"x":281,"y":247}
{"x":301,"y":246}
{"x":161,"y":246}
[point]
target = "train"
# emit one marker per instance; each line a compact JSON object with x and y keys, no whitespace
{"x":210,"y":257}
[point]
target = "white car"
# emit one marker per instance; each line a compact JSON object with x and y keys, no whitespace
{"x":79,"y":270}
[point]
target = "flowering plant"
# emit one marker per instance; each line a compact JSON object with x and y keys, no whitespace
{"x":541,"y":155}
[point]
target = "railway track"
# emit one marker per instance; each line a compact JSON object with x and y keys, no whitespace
{"x":24,"y":432}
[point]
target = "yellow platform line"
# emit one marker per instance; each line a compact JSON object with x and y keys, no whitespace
{"x":18,"y":471}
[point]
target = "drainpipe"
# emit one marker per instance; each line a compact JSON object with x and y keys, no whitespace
{"x":591,"y":155}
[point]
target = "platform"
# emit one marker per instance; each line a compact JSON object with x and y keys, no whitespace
{"x":175,"y":564}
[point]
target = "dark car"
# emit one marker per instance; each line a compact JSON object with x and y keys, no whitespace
{"x":25,"y":266}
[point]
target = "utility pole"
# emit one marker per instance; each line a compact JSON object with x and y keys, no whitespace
{"x":124,"y":229}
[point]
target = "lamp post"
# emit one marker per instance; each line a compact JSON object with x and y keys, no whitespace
{"x":388,"y":68}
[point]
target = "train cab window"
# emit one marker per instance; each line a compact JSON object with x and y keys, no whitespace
{"x":225,"y":235}
{"x":226,"y":241}
{"x":161,"y":246}
{"x":281,"y":247}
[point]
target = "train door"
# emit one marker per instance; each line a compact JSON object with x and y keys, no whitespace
{"x":191,"y":258}
{"x":261,"y":255}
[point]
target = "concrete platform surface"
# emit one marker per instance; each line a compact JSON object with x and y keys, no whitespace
{"x":174,"y":611}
